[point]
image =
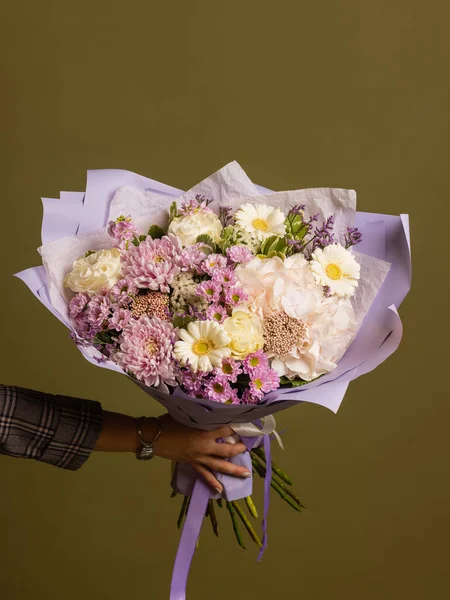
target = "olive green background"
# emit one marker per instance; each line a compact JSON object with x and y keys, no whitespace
{"x":332,"y":93}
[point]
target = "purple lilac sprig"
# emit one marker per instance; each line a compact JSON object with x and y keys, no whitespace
{"x":225,"y":215}
{"x":324,"y":236}
{"x":352,"y":237}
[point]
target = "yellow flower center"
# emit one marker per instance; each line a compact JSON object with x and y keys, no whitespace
{"x":158,"y":258}
{"x":260,"y":224}
{"x":258,"y":383}
{"x":202,"y":347}
{"x":333,"y":271}
{"x":151,"y":347}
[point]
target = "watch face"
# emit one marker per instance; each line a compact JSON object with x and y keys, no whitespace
{"x":145,"y":453}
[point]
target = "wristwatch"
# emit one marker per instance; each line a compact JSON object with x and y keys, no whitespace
{"x":146,"y":451}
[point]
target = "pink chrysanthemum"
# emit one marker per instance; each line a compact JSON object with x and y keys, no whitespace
{"x":191,"y":259}
{"x":225,"y":276}
{"x":78,"y":304}
{"x":218,"y":389}
{"x":210,"y":290}
{"x":263,"y":380}
{"x":146,"y":351}
{"x":235,"y":296}
{"x":254,"y":361}
{"x":190,"y":207}
{"x":230,"y":368}
{"x":154,"y":263}
{"x":239,"y":254}
{"x":216,"y":312}
{"x":120,"y":319}
{"x":232,"y":397}
{"x":213,"y":262}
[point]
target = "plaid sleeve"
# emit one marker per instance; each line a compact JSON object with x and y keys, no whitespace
{"x":58,"y":430}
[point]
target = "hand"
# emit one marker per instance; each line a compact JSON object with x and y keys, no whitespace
{"x":200,"y":449}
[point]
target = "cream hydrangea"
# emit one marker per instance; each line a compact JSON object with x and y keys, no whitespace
{"x":335,"y":267}
{"x":330,"y":329}
{"x":97,"y":270}
{"x":188,"y":228}
{"x":203,"y":345}
{"x":274,"y":285}
{"x":245,"y":332}
{"x":260,"y":220}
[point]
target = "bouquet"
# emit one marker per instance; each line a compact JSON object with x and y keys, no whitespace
{"x":227,"y":303}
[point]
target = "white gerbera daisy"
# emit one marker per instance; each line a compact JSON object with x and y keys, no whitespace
{"x":335,"y":267}
{"x":203,"y":345}
{"x":260,"y":220}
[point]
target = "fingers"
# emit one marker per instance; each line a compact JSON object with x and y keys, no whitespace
{"x":209,"y":478}
{"x":228,"y":450}
{"x":222,"y":466}
{"x":222,"y":432}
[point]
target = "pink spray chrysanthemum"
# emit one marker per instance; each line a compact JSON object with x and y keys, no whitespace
{"x":254,"y":361}
{"x":225,"y":276}
{"x":213,"y":262}
{"x":99,"y":310}
{"x":230,"y":368}
{"x":210,"y":290}
{"x":235,"y":296}
{"x":191,"y":259}
{"x":218,"y":389}
{"x":121,"y":293}
{"x":239,"y":254}
{"x":120,"y":319}
{"x":154,"y":263}
{"x":146,"y":351}
{"x":263,"y":380}
{"x":193,"y":383}
{"x":216,"y":312}
{"x":78,"y":304}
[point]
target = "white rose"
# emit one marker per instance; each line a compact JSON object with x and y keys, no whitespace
{"x":91,"y":273}
{"x":246,"y":333}
{"x":199,"y":223}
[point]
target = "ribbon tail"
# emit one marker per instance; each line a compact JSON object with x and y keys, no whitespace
{"x":188,"y":540}
{"x":267,"y":482}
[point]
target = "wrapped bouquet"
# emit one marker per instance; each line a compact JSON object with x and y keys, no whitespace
{"x":227,"y":303}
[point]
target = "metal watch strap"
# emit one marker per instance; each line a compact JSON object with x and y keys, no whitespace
{"x":146,"y":451}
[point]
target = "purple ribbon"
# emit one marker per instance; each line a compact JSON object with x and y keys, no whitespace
{"x":196,"y":513}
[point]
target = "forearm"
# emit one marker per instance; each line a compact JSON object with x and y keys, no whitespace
{"x":119,"y":433}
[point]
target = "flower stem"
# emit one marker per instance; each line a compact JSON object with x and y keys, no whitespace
{"x":251,"y":507}
{"x":281,"y":474}
{"x":183,"y":511}
{"x":247,"y":523}
{"x":213,"y":519}
{"x":235,"y":525}
{"x":281,"y":490}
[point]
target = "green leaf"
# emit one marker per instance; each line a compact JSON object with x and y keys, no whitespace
{"x":268,"y":244}
{"x":208,"y":241}
{"x":182,"y":322}
{"x":173,"y":211}
{"x":155,"y":232}
{"x":142,"y":237}
{"x":297,"y":382}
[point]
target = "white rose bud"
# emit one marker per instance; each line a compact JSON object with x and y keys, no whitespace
{"x":91,"y":273}
{"x":188,"y":228}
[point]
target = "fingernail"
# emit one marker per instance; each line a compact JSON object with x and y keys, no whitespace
{"x":246,"y":474}
{"x":218,"y":490}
